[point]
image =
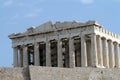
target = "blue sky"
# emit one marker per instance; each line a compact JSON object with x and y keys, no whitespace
{"x":18,"y":15}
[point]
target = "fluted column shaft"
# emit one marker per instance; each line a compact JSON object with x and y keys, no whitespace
{"x":116,"y":53}
{"x":111,"y":56}
{"x":15,"y":49}
{"x":94,"y":50}
{"x":48,"y":54}
{"x":25,"y":56}
{"x":59,"y":53}
{"x":36,"y":54}
{"x":71,"y":53}
{"x":83,"y":52}
{"x":99,"y":51}
{"x":105,"y":53}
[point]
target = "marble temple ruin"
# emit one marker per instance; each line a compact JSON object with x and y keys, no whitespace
{"x":66,"y":44}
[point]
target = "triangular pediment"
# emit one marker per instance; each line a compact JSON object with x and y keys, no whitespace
{"x":48,"y":26}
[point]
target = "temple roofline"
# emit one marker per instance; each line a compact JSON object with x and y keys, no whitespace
{"x":49,"y":27}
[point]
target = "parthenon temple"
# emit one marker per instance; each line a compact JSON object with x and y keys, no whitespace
{"x":66,"y":44}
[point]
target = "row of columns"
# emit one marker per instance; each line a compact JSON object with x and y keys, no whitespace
{"x":108,"y":53}
{"x":100,"y":54}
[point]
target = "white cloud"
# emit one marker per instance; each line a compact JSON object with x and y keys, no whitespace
{"x":87,"y":1}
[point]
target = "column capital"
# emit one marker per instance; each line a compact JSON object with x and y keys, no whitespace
{"x":14,"y":46}
{"x":98,"y":35}
{"x":59,"y":38}
{"x":24,"y":46}
{"x":71,"y":38}
{"x":36,"y":44}
{"x":82,"y":35}
{"x":115,"y":43}
{"x":48,"y":42}
{"x":103,"y":38}
{"x":59,"y":41}
{"x":109,"y":40}
{"x":93,"y":34}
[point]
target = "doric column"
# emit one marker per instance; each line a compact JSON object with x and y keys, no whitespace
{"x":48,"y":54}
{"x":59,"y":53}
{"x":21,"y":57}
{"x":15,"y":49}
{"x":105,"y":53}
{"x":94,"y":51}
{"x":111,"y":56}
{"x":71,"y":53}
{"x":116,"y":53}
{"x":83,"y":52}
{"x":25,"y":56}
{"x":99,"y":51}
{"x":36,"y":54}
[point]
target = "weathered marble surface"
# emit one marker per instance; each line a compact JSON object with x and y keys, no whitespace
{"x":45,"y":73}
{"x":14,"y":73}
{"x":48,"y":73}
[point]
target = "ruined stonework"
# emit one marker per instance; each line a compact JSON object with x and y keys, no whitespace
{"x":53,"y":73}
{"x":66,"y":44}
{"x":73,"y":73}
{"x":64,"y":51}
{"x":14,"y":73}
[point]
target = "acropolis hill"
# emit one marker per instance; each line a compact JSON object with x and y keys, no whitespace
{"x":64,"y":51}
